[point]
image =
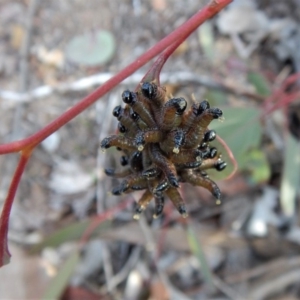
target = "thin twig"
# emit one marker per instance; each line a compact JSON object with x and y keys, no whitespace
{"x":123,"y":274}
{"x":24,"y":55}
{"x":108,"y":269}
{"x":275,"y":286}
{"x":226,"y":289}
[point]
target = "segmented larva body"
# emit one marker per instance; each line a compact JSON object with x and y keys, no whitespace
{"x":163,"y":144}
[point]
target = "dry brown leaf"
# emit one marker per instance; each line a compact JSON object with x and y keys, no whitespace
{"x":54,"y":57}
{"x":158,"y":291}
{"x":181,"y":49}
{"x":16,"y":36}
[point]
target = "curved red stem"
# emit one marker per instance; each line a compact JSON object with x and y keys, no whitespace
{"x":97,"y":220}
{"x":4,"y":219}
{"x":231,"y":156}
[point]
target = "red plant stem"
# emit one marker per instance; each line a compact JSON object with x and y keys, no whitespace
{"x":280,"y":93}
{"x":97,"y":220}
{"x":4,"y":252}
{"x":286,"y":99}
{"x":154,"y":72}
{"x":231,"y":156}
{"x":182,"y":31}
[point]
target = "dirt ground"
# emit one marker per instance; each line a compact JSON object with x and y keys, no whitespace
{"x":242,"y":61}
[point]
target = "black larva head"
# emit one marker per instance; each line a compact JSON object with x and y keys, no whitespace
{"x":209,"y":136}
{"x":105,"y":143}
{"x":213,"y":152}
{"x":173,"y":181}
{"x":136,"y":161}
{"x":117,"y":191}
{"x":133,"y":115}
{"x":182,"y":210}
{"x":109,"y":172}
{"x":128,"y":97}
{"x":204,"y":105}
{"x":121,"y":128}
{"x":149,"y":90}
{"x":159,"y":206}
{"x":180,"y":104}
{"x":117,"y":111}
{"x":216,"y":112}
{"x":139,"y":139}
{"x":220,"y":166}
{"x":199,"y":108}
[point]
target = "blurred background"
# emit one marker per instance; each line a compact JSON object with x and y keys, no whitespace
{"x":69,"y":238}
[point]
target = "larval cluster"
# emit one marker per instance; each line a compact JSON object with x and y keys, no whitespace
{"x":164,"y":144}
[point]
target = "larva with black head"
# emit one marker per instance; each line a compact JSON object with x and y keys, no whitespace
{"x":139,"y":107}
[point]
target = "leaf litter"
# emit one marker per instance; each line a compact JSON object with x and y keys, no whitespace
{"x":256,"y":226}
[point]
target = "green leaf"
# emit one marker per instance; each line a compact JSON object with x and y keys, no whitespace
{"x":216,"y":175}
{"x":198,"y":252}
{"x":260,"y":83}
{"x":93,"y":49}
{"x":256,"y":163}
{"x":291,"y":176}
{"x":61,"y":280}
{"x":216,"y":98}
{"x":241,"y":129}
{"x":69,"y":233}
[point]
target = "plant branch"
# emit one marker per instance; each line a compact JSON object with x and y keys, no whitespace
{"x":4,"y":219}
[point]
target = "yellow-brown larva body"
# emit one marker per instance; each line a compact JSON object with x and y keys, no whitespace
{"x":140,"y":107}
{"x":171,"y":114}
{"x":196,"y":132}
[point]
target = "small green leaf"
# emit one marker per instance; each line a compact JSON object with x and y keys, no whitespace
{"x":93,"y":49}
{"x":256,"y":163}
{"x":61,"y":280}
{"x":291,"y":176}
{"x":241,"y":130}
{"x":216,"y":98}
{"x":260,"y":83}
{"x":69,"y":233}
{"x":198,"y":252}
